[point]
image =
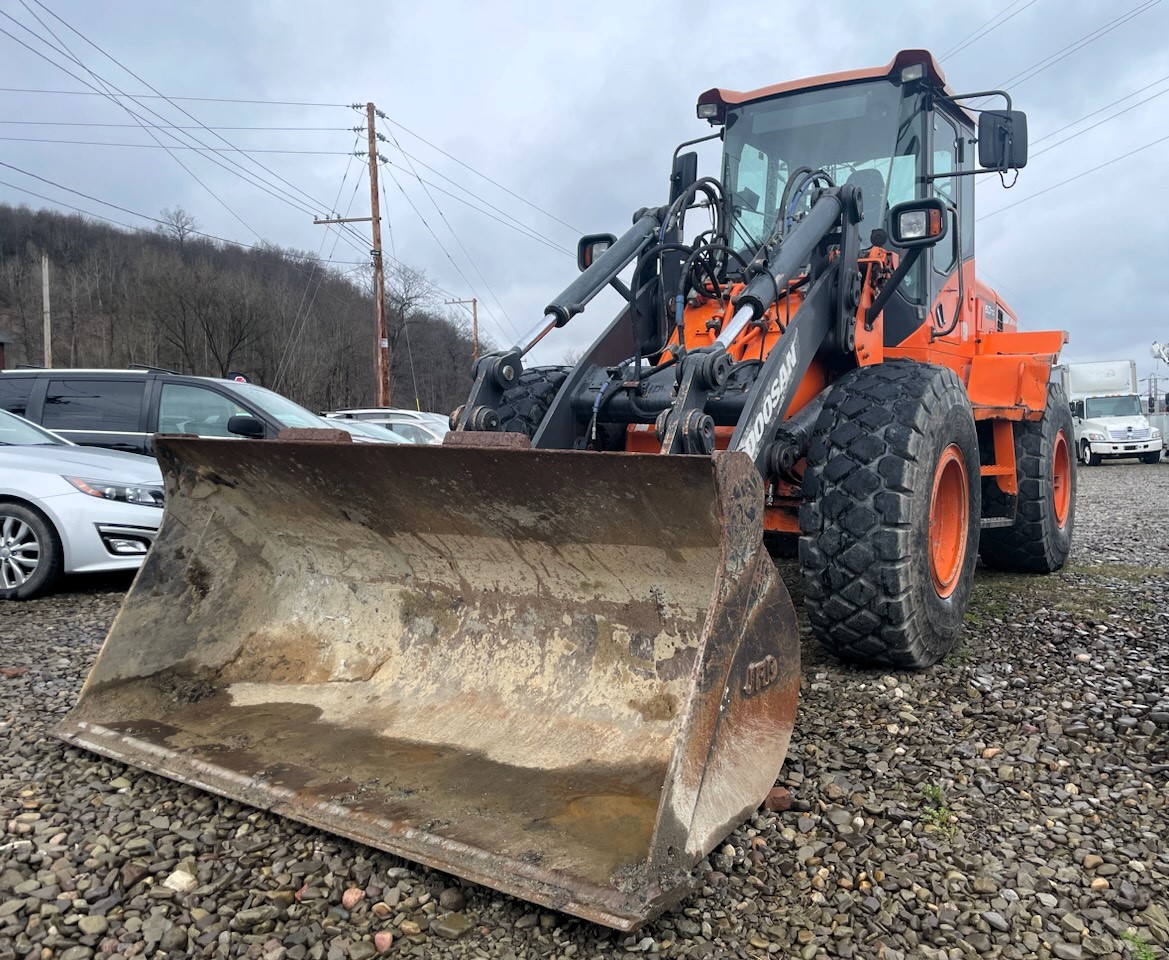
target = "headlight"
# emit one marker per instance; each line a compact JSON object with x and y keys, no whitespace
{"x":1156,"y":434}
{"x":145,"y":494}
{"x":1095,"y":436}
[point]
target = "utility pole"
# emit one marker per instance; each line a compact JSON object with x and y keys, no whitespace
{"x":474,"y":323}
{"x":48,"y":362}
{"x":382,"y":351}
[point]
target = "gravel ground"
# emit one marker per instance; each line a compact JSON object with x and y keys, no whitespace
{"x":1011,"y":802}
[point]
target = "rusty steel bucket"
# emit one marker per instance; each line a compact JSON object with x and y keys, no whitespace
{"x":564,"y":675}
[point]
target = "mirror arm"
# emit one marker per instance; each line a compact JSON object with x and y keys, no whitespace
{"x":930,"y":177}
{"x":983,"y":93}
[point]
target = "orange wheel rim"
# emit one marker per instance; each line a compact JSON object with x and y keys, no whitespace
{"x":949,"y":520}
{"x":1061,"y":479}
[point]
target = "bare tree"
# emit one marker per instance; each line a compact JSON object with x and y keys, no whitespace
{"x":178,"y":224}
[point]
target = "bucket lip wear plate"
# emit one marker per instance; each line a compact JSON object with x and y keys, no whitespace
{"x":544,"y":885}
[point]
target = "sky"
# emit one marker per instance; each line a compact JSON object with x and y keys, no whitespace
{"x":552,"y":119}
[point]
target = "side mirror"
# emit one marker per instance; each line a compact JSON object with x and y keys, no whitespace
{"x":684,"y":174}
{"x":1078,"y":409}
{"x":1002,"y":139}
{"x":591,"y":246}
{"x":248,"y":427}
{"x":918,"y":223}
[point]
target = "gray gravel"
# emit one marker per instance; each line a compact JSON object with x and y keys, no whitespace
{"x":1011,"y":802}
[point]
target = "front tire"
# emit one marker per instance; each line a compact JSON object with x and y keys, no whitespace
{"x":525,"y":404}
{"x":1151,"y":457}
{"x":1086,"y":454}
{"x":30,"y":552}
{"x":1045,"y":512}
{"x":891,"y":515}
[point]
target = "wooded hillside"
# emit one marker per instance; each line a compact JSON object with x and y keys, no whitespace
{"x":175,"y":300}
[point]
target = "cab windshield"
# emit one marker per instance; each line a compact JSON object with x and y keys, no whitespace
{"x":861,"y":133}
{"x":1129,"y":406}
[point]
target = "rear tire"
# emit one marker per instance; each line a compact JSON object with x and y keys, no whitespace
{"x":1045,"y":513}
{"x":891,"y":515}
{"x":30,"y":552}
{"x":525,"y":404}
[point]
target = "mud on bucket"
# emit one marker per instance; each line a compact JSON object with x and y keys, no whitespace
{"x":563,"y":675}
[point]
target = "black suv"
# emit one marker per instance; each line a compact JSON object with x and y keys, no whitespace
{"x":123,"y":409}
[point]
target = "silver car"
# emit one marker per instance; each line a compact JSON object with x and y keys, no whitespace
{"x":70,"y":509}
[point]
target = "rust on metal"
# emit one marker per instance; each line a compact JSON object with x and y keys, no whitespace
{"x":563,"y":675}
{"x":487,"y":438}
{"x":314,"y":434}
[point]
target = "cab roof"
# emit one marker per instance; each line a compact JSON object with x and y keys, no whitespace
{"x":933,"y":73}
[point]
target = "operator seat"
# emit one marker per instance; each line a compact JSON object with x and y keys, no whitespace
{"x":872,"y":186}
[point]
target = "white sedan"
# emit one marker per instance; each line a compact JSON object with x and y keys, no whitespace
{"x":70,"y":509}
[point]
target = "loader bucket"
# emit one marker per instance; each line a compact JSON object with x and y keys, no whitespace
{"x":564,"y":675}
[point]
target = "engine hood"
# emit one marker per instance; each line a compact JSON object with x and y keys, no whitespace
{"x":89,"y":463}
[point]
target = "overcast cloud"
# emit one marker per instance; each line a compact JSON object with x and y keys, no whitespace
{"x":578,"y":109}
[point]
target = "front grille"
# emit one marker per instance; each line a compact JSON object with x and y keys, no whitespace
{"x":1142,"y":434}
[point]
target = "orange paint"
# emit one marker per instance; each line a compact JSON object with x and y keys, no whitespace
{"x":949,"y":520}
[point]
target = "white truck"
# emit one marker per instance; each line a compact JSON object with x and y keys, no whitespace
{"x":1108,"y":413}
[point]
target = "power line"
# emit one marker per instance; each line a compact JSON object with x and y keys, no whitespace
{"x":1106,"y":163}
{"x":84,"y":82}
{"x":297,"y":330}
{"x":229,"y":250}
{"x":1089,"y":38}
{"x":167,"y":126}
{"x":1098,"y":123}
{"x":446,"y":252}
{"x":1093,"y":126}
{"x":115,"y":206}
{"x":979,"y":32}
{"x":518,"y":224}
{"x":478,"y":173}
{"x":154,"y":90}
{"x":457,"y":239}
{"x":147,"y":96}
{"x":176,"y":146}
{"x":250,"y":178}
{"x":1048,"y":136}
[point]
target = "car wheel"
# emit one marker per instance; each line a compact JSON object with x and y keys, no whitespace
{"x":30,"y":552}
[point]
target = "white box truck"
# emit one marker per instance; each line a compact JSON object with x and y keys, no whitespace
{"x":1108,"y":413}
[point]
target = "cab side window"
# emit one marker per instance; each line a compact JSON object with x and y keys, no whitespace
{"x":946,"y":161}
{"x":113,"y":406}
{"x":187,"y":409}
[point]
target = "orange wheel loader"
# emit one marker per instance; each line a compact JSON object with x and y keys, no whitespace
{"x":554,"y":655}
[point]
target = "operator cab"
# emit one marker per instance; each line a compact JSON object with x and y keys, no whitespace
{"x":897,"y":133}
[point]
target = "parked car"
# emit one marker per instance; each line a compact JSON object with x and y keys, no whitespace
{"x":380,"y":413}
{"x":123,"y":409}
{"x":364,"y":432}
{"x":416,"y":431}
{"x":65,"y":508}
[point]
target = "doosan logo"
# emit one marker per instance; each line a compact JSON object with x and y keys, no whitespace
{"x":775,"y":393}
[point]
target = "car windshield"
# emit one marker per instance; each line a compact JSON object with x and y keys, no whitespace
{"x":1129,"y":406}
{"x":18,"y":432}
{"x":861,"y":133}
{"x":280,"y":409}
